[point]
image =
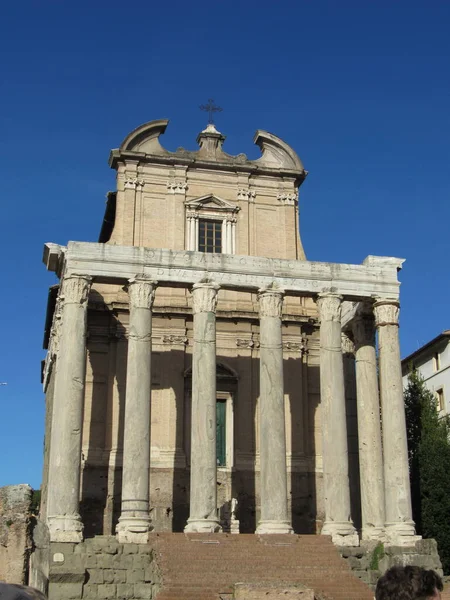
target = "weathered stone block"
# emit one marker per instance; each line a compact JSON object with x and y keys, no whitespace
{"x":135,"y":575}
{"x":243,"y":591}
{"x":140,"y":561}
{"x":130,"y":548}
{"x":125,"y":590}
{"x":96,"y":576}
{"x":105,"y":561}
{"x":65,"y":591}
{"x":122,"y":561}
{"x":107,"y":590}
{"x":145,"y":549}
{"x":150,"y":573}
{"x":115,"y":575}
{"x":142,"y":590}
{"x":90,"y":591}
{"x":91,"y":561}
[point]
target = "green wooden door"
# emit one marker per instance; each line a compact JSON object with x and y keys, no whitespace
{"x":221,"y":408}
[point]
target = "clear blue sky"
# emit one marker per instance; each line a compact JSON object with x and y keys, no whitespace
{"x":360,"y":89}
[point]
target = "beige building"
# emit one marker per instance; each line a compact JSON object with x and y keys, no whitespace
{"x":228,"y":383}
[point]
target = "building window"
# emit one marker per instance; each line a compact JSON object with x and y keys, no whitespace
{"x":209,"y":236}
{"x":437,"y":361}
{"x":221,"y":428}
{"x":211,"y":225}
{"x":440,"y":399}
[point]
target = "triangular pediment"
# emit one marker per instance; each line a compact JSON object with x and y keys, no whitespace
{"x":212,"y":201}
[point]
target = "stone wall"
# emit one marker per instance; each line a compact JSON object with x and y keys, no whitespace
{"x":102,"y":568}
{"x":370,"y":560}
{"x":15,"y":528}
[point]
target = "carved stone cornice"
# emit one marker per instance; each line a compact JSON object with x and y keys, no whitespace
{"x":246,"y":343}
{"x":204,"y":297}
{"x":329,"y":306}
{"x":294,"y":346}
{"x":131,"y":183}
{"x":190,"y":214}
{"x":348,"y":347}
{"x":289,"y":198}
{"x":175,"y":186}
{"x":363,"y":328}
{"x":75,"y":289}
{"x":178,"y":340}
{"x":141,"y":291}
{"x":386,"y":312}
{"x":270,"y":302}
{"x":246,"y":194}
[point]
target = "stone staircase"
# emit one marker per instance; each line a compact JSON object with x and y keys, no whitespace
{"x":206,"y":566}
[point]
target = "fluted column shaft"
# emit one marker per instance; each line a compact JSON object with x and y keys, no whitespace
{"x":274,"y":510}
{"x":63,"y":516}
{"x":203,"y":515}
{"x":400,"y":528}
{"x":369,"y":429}
{"x":338,"y":521}
{"x":134,"y":522}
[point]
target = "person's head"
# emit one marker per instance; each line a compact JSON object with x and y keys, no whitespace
{"x":12,"y":591}
{"x":409,"y":583}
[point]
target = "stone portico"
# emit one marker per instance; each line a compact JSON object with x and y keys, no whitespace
{"x":196,"y":368}
{"x":372,"y":285}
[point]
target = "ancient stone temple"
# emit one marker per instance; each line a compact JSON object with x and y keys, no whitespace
{"x":202,"y":376}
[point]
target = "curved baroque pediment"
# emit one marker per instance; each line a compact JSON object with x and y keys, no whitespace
{"x":276,"y":154}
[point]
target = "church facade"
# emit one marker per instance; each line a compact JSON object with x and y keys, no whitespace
{"x":203,"y":376}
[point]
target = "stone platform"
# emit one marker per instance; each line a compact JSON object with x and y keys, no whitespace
{"x":177,"y":566}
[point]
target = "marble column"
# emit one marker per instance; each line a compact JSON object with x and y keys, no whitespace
{"x":369,"y":428}
{"x":272,"y":433}
{"x":203,"y":516}
{"x":338,"y":522}
{"x":134,"y":522}
{"x":400,"y":529}
{"x":63,"y":517}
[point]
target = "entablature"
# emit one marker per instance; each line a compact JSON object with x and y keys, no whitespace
{"x":375,"y":278}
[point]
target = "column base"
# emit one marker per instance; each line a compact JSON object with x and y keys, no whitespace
{"x":342,"y":534}
{"x":271,"y":527}
{"x":65,"y":528}
{"x":376,"y":534}
{"x":203,"y":526}
{"x":401,"y":534}
{"x":133,"y":530}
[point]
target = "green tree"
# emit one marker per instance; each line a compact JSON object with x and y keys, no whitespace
{"x":429,"y":465}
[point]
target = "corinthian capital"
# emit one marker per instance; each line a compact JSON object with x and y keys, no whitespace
{"x":386,"y":312}
{"x":329,"y":306}
{"x":270,"y":302}
{"x":141,"y":291}
{"x":75,"y":289}
{"x":204,"y":297}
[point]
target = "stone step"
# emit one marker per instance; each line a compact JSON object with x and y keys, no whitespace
{"x":195,"y":567}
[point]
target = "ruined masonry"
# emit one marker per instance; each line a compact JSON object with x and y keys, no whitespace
{"x":203,"y":379}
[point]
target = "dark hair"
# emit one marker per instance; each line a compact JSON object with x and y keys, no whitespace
{"x":408,"y":583}
{"x":13,"y":591}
